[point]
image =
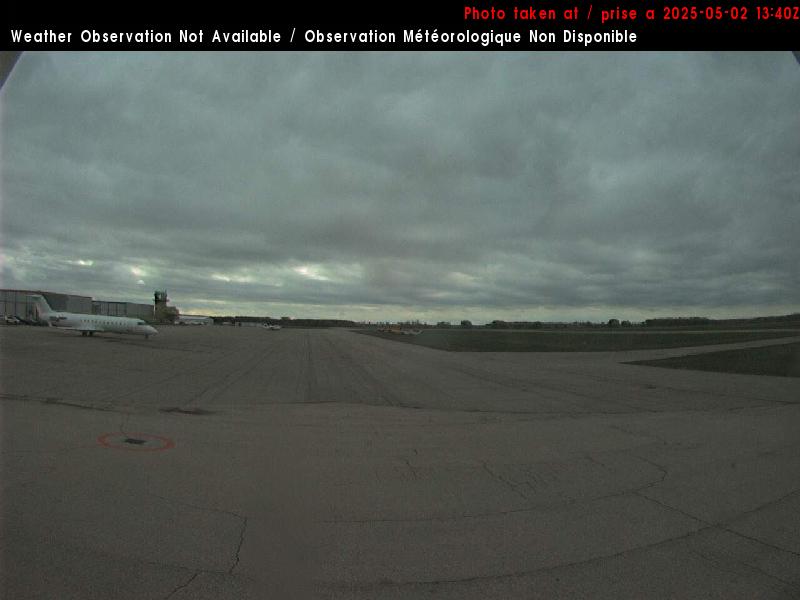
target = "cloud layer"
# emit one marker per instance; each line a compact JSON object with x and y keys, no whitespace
{"x":384,"y":186}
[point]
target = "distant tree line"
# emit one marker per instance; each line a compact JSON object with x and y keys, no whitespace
{"x":285,"y":321}
{"x":677,"y":322}
{"x":498,"y":324}
{"x":792,"y":318}
{"x":501,"y":324}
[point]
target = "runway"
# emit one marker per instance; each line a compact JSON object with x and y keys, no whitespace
{"x":222,"y":462}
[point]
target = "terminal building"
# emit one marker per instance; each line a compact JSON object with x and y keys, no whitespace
{"x":17,"y":303}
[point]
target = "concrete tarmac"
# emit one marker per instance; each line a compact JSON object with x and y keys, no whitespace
{"x":221,"y":462}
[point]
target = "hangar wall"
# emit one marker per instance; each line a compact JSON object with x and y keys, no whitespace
{"x":16,"y":303}
{"x":123,"y":309}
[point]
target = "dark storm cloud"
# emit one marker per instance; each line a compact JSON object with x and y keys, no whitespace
{"x":369,"y":186}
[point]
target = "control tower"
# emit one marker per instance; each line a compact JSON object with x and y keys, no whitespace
{"x":164,"y":313}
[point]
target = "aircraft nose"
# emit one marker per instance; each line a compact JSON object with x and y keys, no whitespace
{"x":152,"y":330}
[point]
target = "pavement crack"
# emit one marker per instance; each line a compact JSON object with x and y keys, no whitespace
{"x":60,"y":402}
{"x":652,"y":436}
{"x":57,"y":401}
{"x":242,"y":518}
{"x":719,"y":564}
{"x":239,"y":547}
{"x":663,"y":469}
{"x":197,"y":507}
{"x":504,"y":481}
{"x":670,"y":507}
{"x":760,"y":541}
{"x":442,"y":519}
{"x":526,"y":573}
{"x":763,"y":506}
{"x":183,"y":585}
{"x":725,"y":525}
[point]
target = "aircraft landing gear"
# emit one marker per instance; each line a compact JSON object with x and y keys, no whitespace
{"x":83,"y":333}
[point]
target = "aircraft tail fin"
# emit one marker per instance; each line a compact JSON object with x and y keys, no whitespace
{"x":42,"y":307}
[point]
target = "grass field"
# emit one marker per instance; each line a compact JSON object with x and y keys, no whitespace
{"x":562,"y":341}
{"x":782,"y":360}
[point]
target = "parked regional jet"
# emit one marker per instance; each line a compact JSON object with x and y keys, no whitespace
{"x":88,"y":324}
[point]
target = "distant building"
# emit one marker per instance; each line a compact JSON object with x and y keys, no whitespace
{"x":16,"y":303}
{"x":123,"y":309}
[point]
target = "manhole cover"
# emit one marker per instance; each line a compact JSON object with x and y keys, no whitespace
{"x":135,"y":441}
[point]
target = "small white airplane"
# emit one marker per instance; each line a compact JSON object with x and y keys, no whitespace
{"x":88,"y":324}
{"x":273,"y":327}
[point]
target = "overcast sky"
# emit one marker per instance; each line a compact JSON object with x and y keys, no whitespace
{"x":435,"y":186}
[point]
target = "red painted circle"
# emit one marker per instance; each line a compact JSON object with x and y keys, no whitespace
{"x":154,"y":443}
